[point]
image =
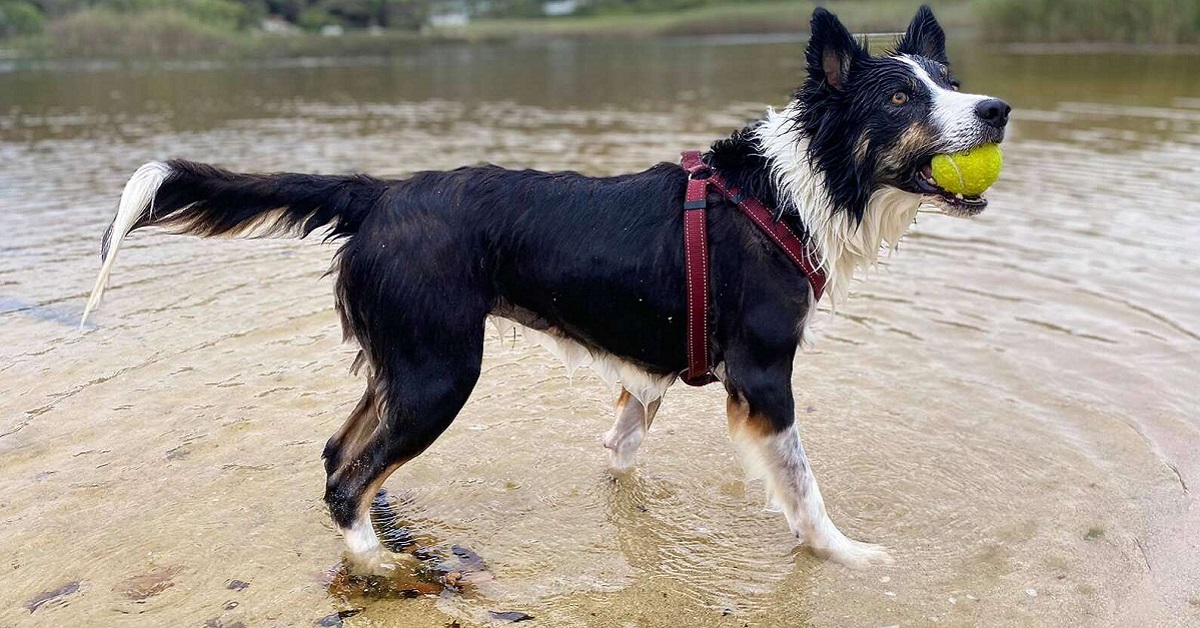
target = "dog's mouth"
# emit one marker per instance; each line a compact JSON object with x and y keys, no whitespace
{"x":949,"y":202}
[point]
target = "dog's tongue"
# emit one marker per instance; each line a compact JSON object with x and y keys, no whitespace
{"x":927,"y":170}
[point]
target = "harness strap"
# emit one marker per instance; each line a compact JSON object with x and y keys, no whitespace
{"x":695,"y":252}
{"x":695,"y":260}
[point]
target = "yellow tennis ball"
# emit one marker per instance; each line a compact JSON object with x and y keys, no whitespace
{"x":970,"y":172}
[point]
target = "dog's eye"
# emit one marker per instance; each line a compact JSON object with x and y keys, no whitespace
{"x":899,"y":98}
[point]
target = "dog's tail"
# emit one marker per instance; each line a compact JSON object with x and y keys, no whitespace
{"x":187,"y":197}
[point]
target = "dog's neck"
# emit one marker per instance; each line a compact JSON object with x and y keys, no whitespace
{"x":769,"y":160}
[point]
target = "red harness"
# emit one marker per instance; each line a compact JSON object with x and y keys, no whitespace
{"x":695,"y":252}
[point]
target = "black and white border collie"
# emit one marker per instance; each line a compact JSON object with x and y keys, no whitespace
{"x":593,"y":267}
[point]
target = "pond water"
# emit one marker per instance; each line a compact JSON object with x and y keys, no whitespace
{"x":1009,"y":403}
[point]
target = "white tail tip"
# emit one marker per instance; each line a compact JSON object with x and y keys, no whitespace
{"x":136,"y":199}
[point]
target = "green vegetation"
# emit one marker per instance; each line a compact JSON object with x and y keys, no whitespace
{"x":728,"y":17}
{"x":158,"y":33}
{"x":1094,"y":533}
{"x":240,"y":28}
{"x":1108,"y":21}
{"x":28,"y":17}
{"x":19,"y":17}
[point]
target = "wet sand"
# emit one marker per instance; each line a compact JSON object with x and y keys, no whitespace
{"x":1008,"y":403}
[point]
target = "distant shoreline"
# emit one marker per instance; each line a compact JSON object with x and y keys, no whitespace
{"x":163,"y":36}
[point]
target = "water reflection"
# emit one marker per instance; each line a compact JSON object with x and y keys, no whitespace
{"x":1155,"y":94}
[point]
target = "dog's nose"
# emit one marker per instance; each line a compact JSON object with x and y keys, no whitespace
{"x":993,"y":111}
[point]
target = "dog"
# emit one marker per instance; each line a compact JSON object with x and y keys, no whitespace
{"x":594,"y":266}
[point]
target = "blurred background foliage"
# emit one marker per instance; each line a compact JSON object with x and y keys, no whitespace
{"x":190,"y":27}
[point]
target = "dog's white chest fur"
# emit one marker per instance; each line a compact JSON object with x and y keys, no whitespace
{"x":842,"y":246}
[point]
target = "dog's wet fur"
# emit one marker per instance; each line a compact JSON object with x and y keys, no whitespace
{"x":592,"y":267}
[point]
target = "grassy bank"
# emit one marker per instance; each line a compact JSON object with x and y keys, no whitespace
{"x":168,"y":33}
{"x":741,"y":18}
{"x":1091,"y":21}
{"x":161,"y":33}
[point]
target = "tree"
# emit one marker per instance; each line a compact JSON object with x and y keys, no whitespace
{"x":18,"y":17}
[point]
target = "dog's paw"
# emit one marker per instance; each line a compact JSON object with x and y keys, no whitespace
{"x":854,"y":554}
{"x":619,"y":464}
{"x":621,"y":456}
{"x":382,"y":563}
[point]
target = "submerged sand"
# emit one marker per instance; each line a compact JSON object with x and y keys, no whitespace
{"x":1008,"y":404}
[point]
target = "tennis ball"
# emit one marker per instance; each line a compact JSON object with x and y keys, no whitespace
{"x":970,"y":172}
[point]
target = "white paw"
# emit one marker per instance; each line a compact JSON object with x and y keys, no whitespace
{"x":621,"y":454}
{"x":368,"y":562}
{"x":620,"y":463}
{"x":853,"y":554}
{"x":382,"y":562}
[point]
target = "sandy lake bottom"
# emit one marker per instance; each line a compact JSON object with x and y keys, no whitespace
{"x":1008,"y":403}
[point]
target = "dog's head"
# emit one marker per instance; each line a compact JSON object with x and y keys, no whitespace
{"x":874,"y":122}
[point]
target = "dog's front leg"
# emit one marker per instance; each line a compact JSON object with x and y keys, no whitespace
{"x":628,"y":431}
{"x":770,"y":447}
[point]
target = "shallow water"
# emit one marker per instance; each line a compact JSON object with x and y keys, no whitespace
{"x":1008,"y":403}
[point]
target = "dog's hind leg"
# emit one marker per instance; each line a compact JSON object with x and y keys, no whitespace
{"x":415,"y":299}
{"x":772,"y":449}
{"x":422,"y":346}
{"x":408,"y":406}
{"x":628,"y":430}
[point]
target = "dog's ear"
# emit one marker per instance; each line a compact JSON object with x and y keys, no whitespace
{"x":832,"y":51}
{"x":924,"y":37}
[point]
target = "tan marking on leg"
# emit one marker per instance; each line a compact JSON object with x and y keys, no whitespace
{"x":368,"y":496}
{"x":744,"y":423}
{"x":623,"y":399}
{"x":352,"y":437}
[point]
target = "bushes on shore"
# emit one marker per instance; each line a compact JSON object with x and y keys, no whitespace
{"x":1109,"y":21}
{"x":19,"y":17}
{"x":158,"y":33}
{"x":28,"y":16}
{"x":188,"y":28}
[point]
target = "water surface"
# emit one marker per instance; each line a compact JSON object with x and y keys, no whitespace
{"x":1008,"y":403}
